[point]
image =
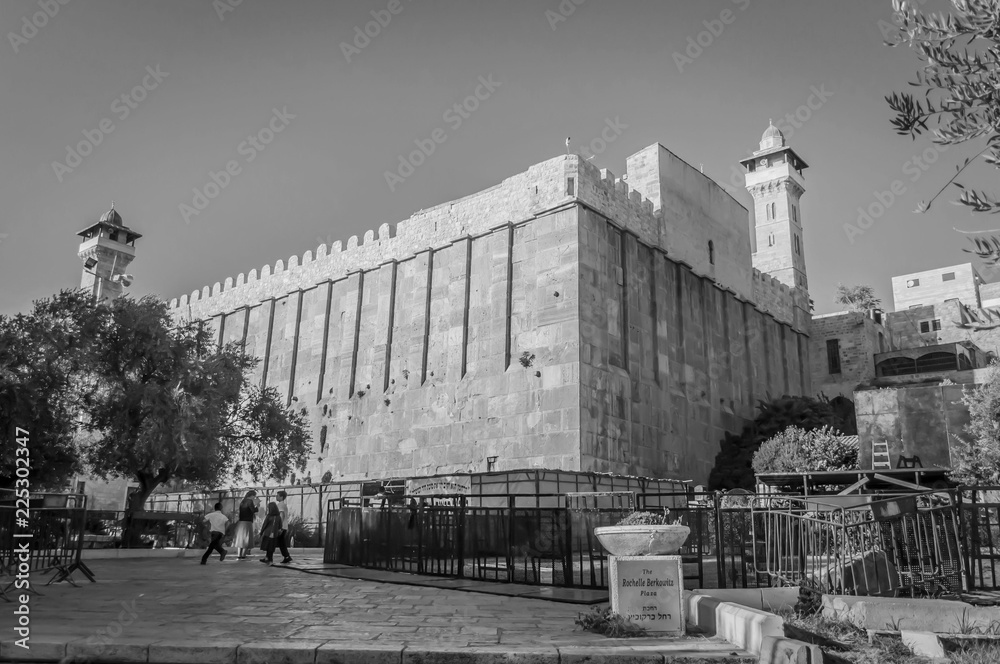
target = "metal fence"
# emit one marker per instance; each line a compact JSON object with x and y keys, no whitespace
{"x":509,"y":540}
{"x":938,"y":543}
{"x":863,"y":544}
{"x":40,"y":535}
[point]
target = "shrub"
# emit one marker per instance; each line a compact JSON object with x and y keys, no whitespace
{"x":976,"y":456}
{"x":733,"y":464}
{"x":798,"y":450}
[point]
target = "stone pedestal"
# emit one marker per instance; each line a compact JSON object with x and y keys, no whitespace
{"x":646,"y":590}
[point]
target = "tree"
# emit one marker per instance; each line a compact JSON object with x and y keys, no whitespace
{"x":797,"y":450}
{"x":857,"y":298}
{"x":169,"y":405}
{"x":957,"y":98}
{"x":733,"y":464}
{"x":43,"y":381}
{"x":976,"y":456}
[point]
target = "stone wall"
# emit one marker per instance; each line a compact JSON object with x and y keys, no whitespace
{"x":914,"y":420}
{"x":958,"y":323}
{"x":484,"y":326}
{"x":929,"y":287}
{"x":670,"y":361}
{"x":859,"y":339}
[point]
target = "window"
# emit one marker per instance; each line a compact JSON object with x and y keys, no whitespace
{"x":774,"y":211}
{"x":81,"y":487}
{"x":948,"y":276}
{"x":770,"y":239}
{"x":795,"y":213}
{"x":570,"y":187}
{"x":767,"y":211}
{"x":912,"y":283}
{"x":711,"y":252}
{"x":798,"y":248}
{"x":932,"y":325}
{"x":114,"y":236}
{"x":833,"y":355}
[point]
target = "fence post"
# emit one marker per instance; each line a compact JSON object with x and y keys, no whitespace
{"x":720,"y":546}
{"x":461,"y":536}
{"x":966,"y":550}
{"x":568,"y":533}
{"x":510,"y":539}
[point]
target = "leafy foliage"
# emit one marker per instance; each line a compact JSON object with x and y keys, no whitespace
{"x":609,"y":624}
{"x":976,"y":456}
{"x":168,"y":405}
{"x":958,"y":98}
{"x":43,"y":382}
{"x":118,"y":387}
{"x":797,"y":450}
{"x":733,"y":464}
{"x":857,"y":298}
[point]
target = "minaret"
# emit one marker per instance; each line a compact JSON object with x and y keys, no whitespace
{"x":107,"y":248}
{"x":774,"y":179}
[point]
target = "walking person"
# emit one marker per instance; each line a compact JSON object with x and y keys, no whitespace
{"x":243,"y":535}
{"x":269,"y":532}
{"x":282,"y":540}
{"x":217,"y":529}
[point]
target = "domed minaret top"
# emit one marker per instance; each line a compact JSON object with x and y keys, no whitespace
{"x":772,"y":138}
{"x":112,"y":216}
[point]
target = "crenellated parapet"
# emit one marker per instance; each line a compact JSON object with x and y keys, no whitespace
{"x":776,"y":298}
{"x":545,"y":186}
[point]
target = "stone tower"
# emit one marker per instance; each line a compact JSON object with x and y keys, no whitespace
{"x":774,"y":179}
{"x":107,"y":248}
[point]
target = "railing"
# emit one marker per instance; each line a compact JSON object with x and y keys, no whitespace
{"x":499,"y":538}
{"x":47,"y":540}
{"x":980,"y":529}
{"x":863,"y":545}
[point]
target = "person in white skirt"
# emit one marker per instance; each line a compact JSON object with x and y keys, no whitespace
{"x":243,"y":535}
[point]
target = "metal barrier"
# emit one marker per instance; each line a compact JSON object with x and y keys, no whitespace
{"x":863,"y":544}
{"x":500,"y":538}
{"x":48,"y":541}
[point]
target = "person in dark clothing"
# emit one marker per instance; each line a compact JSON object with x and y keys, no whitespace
{"x":282,"y":539}
{"x":269,"y":532}
{"x":217,"y":529}
{"x":243,"y":535}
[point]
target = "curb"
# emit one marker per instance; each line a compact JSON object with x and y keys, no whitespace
{"x":111,"y":554}
{"x":754,"y":630}
{"x":302,"y":651}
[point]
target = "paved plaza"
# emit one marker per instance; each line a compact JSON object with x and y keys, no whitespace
{"x":173,"y":609}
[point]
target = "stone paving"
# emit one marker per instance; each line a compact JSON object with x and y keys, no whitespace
{"x":176,"y":600}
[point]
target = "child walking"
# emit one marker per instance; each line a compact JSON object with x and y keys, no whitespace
{"x":217,"y":529}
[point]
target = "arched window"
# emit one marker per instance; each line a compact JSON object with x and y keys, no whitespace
{"x":774,"y":210}
{"x":767,"y":211}
{"x":711,"y":252}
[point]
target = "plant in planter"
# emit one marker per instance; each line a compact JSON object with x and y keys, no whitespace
{"x":644,"y":534}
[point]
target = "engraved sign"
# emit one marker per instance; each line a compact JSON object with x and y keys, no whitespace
{"x":646,"y":590}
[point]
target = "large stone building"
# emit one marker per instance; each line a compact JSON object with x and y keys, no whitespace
{"x":562,"y":319}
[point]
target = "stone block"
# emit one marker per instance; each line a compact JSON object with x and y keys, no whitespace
{"x":41,"y":650}
{"x":208,"y":651}
{"x":922,"y":644}
{"x":359,"y":653}
{"x":288,"y":651}
{"x":480,"y":654}
{"x":121,"y":650}
{"x":599,"y":655}
{"x":777,"y":650}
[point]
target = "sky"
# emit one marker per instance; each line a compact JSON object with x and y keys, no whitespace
{"x":142,"y":102}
